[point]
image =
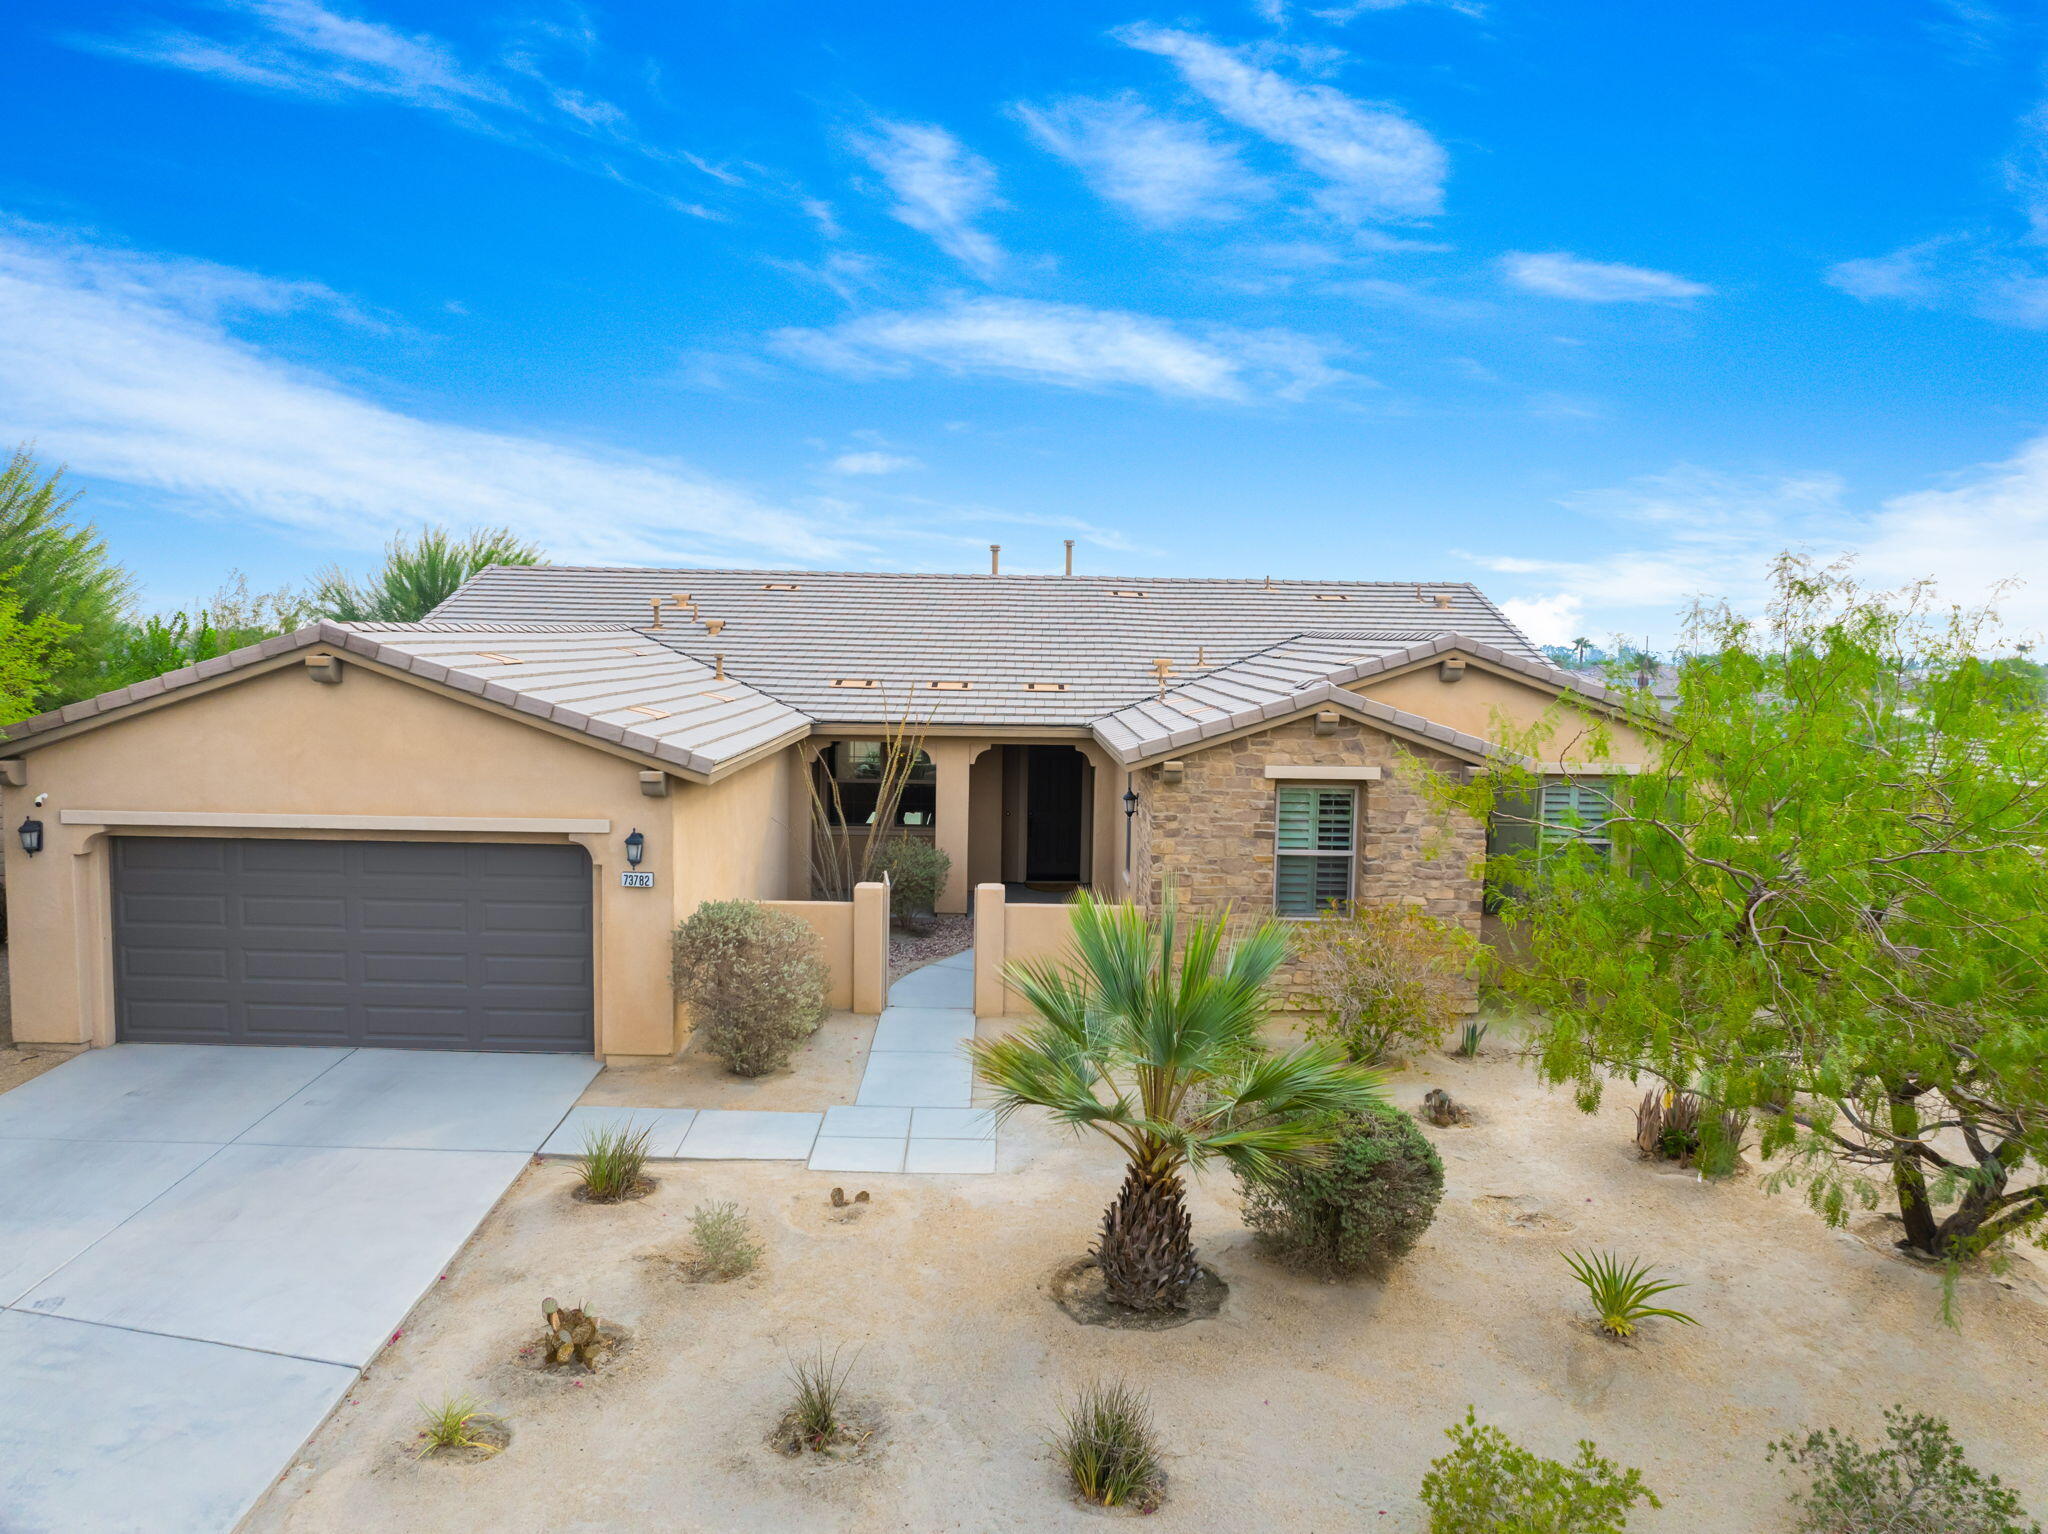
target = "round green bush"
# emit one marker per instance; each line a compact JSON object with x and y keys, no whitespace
{"x":754,"y":980}
{"x":917,"y":872}
{"x":1360,"y":1209}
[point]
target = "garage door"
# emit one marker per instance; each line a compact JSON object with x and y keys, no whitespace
{"x":397,"y":945}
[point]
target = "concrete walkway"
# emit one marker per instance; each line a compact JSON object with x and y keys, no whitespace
{"x":913,"y":1112}
{"x":201,"y":1246}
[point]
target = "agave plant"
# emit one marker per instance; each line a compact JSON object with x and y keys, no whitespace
{"x":1151,"y":1038}
{"x":1621,"y":1292}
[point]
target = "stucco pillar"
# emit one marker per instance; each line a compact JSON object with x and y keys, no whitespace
{"x":952,"y":821}
{"x":870,"y":948}
{"x":991,"y":927}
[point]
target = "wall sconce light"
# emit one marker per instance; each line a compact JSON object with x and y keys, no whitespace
{"x":1130,"y":802}
{"x":31,"y":837}
{"x":636,"y":848}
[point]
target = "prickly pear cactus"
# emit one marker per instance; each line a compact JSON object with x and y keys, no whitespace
{"x":571,"y":1336}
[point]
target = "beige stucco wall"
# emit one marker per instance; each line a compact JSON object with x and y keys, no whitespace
{"x":1480,"y":700}
{"x":279,"y":743}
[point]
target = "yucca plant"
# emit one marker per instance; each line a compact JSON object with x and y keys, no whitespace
{"x":1106,"y":1445}
{"x":614,"y":1159}
{"x":1469,"y":1038}
{"x":1621,"y":1291}
{"x":452,"y":1424}
{"x":1151,"y":1038}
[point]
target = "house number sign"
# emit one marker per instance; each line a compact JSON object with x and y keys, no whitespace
{"x":637,"y":881}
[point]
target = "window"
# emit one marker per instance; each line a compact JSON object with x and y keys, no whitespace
{"x":1315,"y":846}
{"x":1574,"y":811}
{"x":857,"y":767}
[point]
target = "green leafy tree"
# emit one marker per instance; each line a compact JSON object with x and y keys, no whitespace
{"x":28,"y":647}
{"x":1151,"y":1038}
{"x":1824,"y":906}
{"x":1917,"y":1482}
{"x":419,"y":574}
{"x":58,"y":569}
{"x":232,"y":619}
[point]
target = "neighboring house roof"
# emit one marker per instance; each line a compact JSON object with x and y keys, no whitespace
{"x":573,"y":647}
{"x":1031,"y":649}
{"x":1303,"y":672}
{"x":594,"y":678}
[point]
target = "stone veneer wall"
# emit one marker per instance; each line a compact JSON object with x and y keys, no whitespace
{"x":1212,"y":833}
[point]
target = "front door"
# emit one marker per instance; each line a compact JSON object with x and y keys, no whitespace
{"x":1052,"y":819}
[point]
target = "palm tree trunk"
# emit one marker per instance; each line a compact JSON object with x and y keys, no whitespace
{"x":1147,"y":1248}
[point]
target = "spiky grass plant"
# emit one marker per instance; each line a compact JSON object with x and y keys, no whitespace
{"x":1469,"y":1038}
{"x":819,"y":1417}
{"x":452,"y":1424}
{"x":1621,"y":1292}
{"x":1108,"y":1448}
{"x":727,"y":1246}
{"x":614,"y":1161}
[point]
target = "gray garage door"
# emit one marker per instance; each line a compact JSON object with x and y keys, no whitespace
{"x":396,"y":945}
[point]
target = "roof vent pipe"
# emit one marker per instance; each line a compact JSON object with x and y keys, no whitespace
{"x":718,"y":656}
{"x":654,"y":603}
{"x":1070,"y":555}
{"x":995,"y":559}
{"x":713,"y":625}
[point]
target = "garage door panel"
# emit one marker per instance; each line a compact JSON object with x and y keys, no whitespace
{"x":398,"y":945}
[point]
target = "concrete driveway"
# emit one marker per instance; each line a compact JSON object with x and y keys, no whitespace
{"x":201,"y":1246}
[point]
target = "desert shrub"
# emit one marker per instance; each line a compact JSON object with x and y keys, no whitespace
{"x":917,"y":872}
{"x":727,"y":1246}
{"x":1621,"y":1291}
{"x":820,"y":1416}
{"x":614,"y":1160}
{"x":1383,"y":980}
{"x":1106,"y":1444}
{"x":1362,"y":1207}
{"x":1489,"y":1484}
{"x":754,"y":980}
{"x":1677,"y":1126}
{"x":1917,"y":1483}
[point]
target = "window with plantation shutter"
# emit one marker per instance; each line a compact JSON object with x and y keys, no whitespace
{"x":1315,"y":846}
{"x":1574,"y":813}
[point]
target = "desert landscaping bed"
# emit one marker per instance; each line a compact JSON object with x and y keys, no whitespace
{"x":1302,"y":1405}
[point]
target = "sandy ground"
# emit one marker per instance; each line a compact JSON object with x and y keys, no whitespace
{"x":1303,"y":1406}
{"x":824,"y":1072}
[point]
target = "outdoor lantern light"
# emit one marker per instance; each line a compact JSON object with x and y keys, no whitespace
{"x":636,"y":847}
{"x":31,"y":837}
{"x":1130,"y":802}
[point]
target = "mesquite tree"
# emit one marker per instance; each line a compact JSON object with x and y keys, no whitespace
{"x":1151,"y":1037}
{"x":1824,"y":905}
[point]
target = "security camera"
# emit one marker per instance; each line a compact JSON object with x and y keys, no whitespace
{"x":39,"y":800}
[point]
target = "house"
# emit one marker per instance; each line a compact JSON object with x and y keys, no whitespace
{"x":478,"y":831}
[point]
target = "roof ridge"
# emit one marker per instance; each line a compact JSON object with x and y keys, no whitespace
{"x":1258,"y":581}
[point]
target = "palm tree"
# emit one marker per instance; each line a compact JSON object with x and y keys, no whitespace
{"x":419,"y":574}
{"x":1153,"y":1042}
{"x":1579,"y":649}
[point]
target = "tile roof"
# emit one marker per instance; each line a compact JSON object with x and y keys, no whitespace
{"x":573,"y":646}
{"x":1088,"y":648}
{"x":1301,"y":672}
{"x":595,"y":678}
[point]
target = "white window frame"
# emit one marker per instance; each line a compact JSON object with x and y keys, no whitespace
{"x":1346,"y":856}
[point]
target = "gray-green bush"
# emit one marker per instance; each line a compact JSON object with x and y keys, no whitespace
{"x":917,"y":872}
{"x":1917,"y":1482}
{"x":1360,"y":1209}
{"x":726,"y":1245}
{"x":1489,"y":1484}
{"x":754,"y":980}
{"x":1107,"y":1447}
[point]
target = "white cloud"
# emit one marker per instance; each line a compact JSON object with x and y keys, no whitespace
{"x":124,"y":367}
{"x":941,"y":188}
{"x":1547,"y":620}
{"x":1693,"y":532}
{"x":1559,"y":274}
{"x":1378,"y":163}
{"x":1167,"y":170}
{"x":306,"y":48}
{"x":872,"y":463}
{"x":1903,"y":275}
{"x":1069,"y":346}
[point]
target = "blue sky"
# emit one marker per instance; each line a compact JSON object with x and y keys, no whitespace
{"x":1596,"y":306}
